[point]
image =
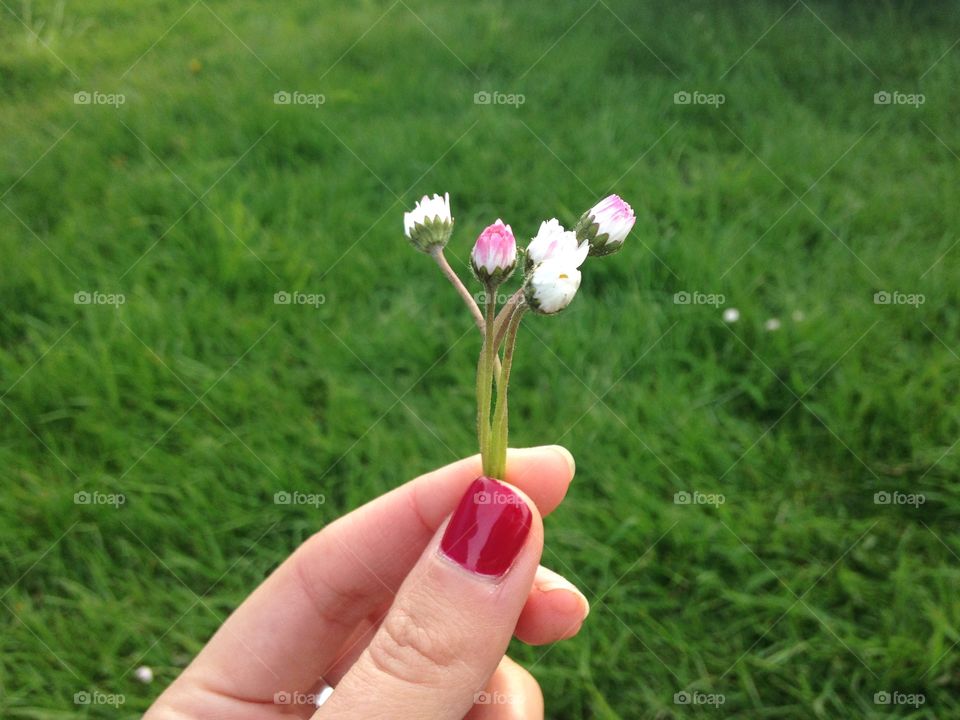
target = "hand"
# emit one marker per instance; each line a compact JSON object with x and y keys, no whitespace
{"x":372,"y":606}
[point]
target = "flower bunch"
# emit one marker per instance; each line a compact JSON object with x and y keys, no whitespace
{"x":551,"y":277}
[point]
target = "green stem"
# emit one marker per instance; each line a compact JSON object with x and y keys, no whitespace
{"x":501,"y":417}
{"x":485,"y":372}
{"x":451,"y":275}
{"x":503,"y":318}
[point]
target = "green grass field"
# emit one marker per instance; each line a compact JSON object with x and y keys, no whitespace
{"x":198,"y":198}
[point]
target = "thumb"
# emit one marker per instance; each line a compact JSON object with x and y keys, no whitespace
{"x":454,"y":614}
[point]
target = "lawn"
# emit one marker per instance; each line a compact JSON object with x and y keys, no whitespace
{"x":180,"y":197}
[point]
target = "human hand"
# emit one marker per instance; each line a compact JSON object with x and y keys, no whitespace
{"x":392,"y":612}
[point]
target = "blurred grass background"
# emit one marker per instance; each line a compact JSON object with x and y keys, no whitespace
{"x":199,"y":398}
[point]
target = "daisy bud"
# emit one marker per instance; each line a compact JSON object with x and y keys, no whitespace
{"x":429,"y":224}
{"x":553,"y":242}
{"x":606,"y":225}
{"x":551,"y":286}
{"x":494,"y":255}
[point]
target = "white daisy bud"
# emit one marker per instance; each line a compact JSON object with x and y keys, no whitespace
{"x":429,"y":224}
{"x":553,"y":242}
{"x":552,"y":285}
{"x":606,"y":225}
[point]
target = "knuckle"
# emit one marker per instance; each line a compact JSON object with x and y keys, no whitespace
{"x":409,"y":650}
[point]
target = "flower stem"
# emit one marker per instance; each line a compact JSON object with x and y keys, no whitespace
{"x":503,"y":318}
{"x":485,"y":377}
{"x":465,"y":295}
{"x":501,"y":417}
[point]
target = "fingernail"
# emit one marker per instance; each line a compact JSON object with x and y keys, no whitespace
{"x":571,"y":463}
{"x":487,"y":529}
{"x":549,"y":581}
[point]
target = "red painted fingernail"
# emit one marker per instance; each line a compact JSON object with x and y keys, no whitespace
{"x":487,"y":529}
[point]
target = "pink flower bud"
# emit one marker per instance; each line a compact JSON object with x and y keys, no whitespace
{"x":606,"y":225}
{"x":494,"y":255}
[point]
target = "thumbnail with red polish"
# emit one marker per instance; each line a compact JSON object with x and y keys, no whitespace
{"x":487,"y":529}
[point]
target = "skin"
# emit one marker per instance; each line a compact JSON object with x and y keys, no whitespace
{"x":371,"y":607}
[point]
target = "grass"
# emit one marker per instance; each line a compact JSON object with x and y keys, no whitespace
{"x":197,"y":399}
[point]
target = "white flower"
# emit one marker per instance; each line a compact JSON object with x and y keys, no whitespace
{"x":553,"y":242}
{"x":731,"y":315}
{"x":552,"y":285}
{"x":772,"y":325}
{"x":429,"y":224}
{"x":606,"y":225}
{"x":144,"y":674}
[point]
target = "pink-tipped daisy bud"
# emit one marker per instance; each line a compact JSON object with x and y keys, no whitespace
{"x":429,"y":224}
{"x":552,"y":242}
{"x":552,"y":285}
{"x":494,"y":255}
{"x":606,"y":225}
